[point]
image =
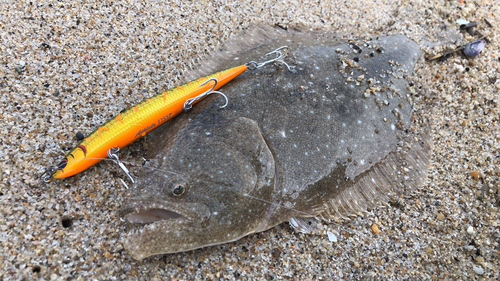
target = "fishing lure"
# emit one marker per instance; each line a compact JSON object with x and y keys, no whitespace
{"x":140,"y":119}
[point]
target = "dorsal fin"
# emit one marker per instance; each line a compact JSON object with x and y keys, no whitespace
{"x":252,"y":37}
{"x":402,"y":170}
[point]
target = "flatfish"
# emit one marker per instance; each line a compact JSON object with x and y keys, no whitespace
{"x":332,"y":137}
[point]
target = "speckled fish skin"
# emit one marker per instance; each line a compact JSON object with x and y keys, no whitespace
{"x":299,"y":140}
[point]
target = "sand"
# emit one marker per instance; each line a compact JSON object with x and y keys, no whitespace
{"x":68,"y":67}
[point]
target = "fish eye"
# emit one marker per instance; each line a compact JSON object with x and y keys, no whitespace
{"x":178,"y":190}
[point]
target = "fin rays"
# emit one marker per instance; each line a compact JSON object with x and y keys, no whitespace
{"x":397,"y":172}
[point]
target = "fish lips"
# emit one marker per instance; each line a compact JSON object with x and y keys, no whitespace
{"x":157,"y":211}
{"x":163,"y":226}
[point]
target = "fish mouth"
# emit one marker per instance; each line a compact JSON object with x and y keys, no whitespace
{"x":140,"y":212}
{"x":151,"y":215}
{"x":162,"y":227}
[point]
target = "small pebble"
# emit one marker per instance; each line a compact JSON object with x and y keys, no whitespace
{"x":461,"y":21}
{"x":475,"y":174}
{"x":479,"y":270}
{"x":79,"y":136}
{"x":471,"y":230}
{"x":375,"y":229}
{"x":440,"y":217}
{"x":332,"y":237}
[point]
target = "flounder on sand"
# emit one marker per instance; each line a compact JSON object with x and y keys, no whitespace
{"x":330,"y":138}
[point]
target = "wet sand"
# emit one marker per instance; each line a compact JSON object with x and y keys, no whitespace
{"x":69,"y":67}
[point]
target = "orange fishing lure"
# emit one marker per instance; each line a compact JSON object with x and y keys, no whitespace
{"x":138,"y":120}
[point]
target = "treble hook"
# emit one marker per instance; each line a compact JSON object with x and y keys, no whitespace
{"x":114,"y":157}
{"x":46,"y":177}
{"x":254,"y":65}
{"x":189,"y":103}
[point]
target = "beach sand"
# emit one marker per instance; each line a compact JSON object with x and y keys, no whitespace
{"x":67,"y":67}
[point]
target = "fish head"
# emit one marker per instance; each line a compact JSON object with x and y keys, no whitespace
{"x":199,"y":191}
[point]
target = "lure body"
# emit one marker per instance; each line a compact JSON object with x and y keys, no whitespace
{"x":136,"y":122}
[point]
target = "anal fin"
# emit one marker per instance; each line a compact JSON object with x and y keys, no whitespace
{"x":305,"y":225}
